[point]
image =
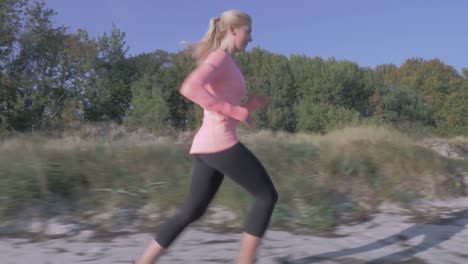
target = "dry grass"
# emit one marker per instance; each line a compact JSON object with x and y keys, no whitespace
{"x":321,"y":179}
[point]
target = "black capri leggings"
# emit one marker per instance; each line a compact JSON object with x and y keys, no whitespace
{"x":239,"y":164}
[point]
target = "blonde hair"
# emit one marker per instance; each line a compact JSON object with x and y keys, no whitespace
{"x":216,"y":31}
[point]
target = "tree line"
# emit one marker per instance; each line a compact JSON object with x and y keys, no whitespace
{"x":51,"y":77}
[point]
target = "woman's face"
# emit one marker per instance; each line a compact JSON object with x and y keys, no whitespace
{"x":242,"y":37}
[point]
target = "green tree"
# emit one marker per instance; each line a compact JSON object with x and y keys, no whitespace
{"x":331,"y":93}
{"x":11,"y":12}
{"x":157,"y":103}
{"x":108,"y":95}
{"x":321,"y":117}
{"x":454,"y":113}
{"x":36,"y":75}
{"x":465,"y":72}
{"x":77,"y":60}
{"x":436,"y":84}
{"x":269,"y":73}
{"x":149,"y":108}
{"x":433,"y":79}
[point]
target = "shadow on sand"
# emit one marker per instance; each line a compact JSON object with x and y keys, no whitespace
{"x":434,"y":232}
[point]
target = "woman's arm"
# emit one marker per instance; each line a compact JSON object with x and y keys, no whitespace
{"x":194,"y":89}
{"x":255,"y":102}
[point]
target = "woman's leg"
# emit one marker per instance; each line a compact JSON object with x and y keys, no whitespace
{"x":205,"y":183}
{"x":248,"y":249}
{"x":241,"y":165}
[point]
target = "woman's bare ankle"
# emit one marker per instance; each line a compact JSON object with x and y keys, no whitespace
{"x":245,"y":261}
{"x":152,"y":253}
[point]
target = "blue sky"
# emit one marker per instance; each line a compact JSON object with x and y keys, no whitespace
{"x":368,"y":32}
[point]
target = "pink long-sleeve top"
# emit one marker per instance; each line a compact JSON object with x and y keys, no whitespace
{"x":218,"y":86}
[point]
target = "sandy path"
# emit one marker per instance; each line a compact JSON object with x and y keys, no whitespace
{"x":389,"y":237}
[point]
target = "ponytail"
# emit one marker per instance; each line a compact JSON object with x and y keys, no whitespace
{"x":216,"y":31}
{"x":202,"y":48}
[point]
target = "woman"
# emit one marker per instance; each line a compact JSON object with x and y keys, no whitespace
{"x":217,"y":85}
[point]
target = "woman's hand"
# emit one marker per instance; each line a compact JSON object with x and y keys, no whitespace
{"x":256,"y":102}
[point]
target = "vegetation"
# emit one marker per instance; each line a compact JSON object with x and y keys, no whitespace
{"x":50,"y":77}
{"x":322,"y":179}
{"x":337,"y":138}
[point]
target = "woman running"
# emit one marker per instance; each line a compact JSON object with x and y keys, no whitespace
{"x":218,"y":86}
